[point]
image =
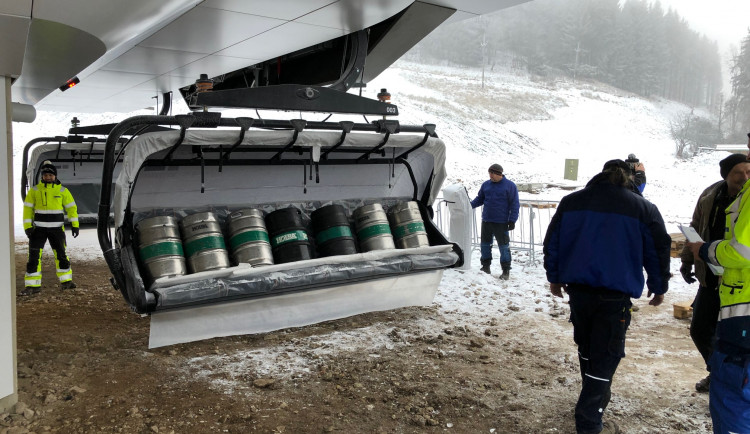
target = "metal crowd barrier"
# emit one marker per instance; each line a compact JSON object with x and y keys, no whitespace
{"x":533,"y":219}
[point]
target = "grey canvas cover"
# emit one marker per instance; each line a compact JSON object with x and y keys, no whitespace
{"x":238,"y":186}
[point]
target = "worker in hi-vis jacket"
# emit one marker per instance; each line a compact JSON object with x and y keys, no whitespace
{"x":44,"y":212}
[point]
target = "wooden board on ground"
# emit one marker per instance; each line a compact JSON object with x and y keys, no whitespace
{"x":683,"y":310}
{"x":678,"y":242}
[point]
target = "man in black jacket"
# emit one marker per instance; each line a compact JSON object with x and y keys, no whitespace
{"x":597,"y":245}
{"x":709,"y":220}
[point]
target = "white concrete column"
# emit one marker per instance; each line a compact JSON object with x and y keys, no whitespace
{"x":8,"y":374}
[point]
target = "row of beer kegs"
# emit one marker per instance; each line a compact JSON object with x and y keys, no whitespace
{"x":168,"y":247}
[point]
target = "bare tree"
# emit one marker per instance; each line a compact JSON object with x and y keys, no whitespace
{"x":691,"y":132}
{"x":679,"y":128}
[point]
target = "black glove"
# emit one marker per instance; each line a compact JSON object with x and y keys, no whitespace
{"x":511,"y":226}
{"x":74,"y":230}
{"x":29,"y":231}
{"x":687,"y":273}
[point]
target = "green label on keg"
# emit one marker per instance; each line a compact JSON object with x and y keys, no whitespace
{"x":205,"y":243}
{"x":167,"y":248}
{"x":248,"y":237}
{"x":408,"y":229}
{"x":333,"y":233}
{"x":373,"y":230}
{"x":288,"y":237}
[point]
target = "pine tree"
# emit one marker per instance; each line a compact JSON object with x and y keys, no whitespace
{"x":740,"y":101}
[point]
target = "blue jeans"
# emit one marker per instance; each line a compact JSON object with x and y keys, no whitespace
{"x":729,"y":394}
{"x":600,"y":320}
{"x":498,"y":231}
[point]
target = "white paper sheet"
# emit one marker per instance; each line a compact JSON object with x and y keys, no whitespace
{"x":692,"y":236}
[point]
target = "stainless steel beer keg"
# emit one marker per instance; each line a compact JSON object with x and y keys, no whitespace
{"x":407,"y":225}
{"x":248,"y":237}
{"x":373,"y":230}
{"x":204,"y":243}
{"x":160,"y":246}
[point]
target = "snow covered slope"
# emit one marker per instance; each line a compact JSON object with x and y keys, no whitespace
{"x":531,"y":127}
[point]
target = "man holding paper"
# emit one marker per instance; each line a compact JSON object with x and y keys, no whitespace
{"x":729,"y":394}
{"x":709,"y":221}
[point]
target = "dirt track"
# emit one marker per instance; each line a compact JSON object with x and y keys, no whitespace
{"x":84,"y":367}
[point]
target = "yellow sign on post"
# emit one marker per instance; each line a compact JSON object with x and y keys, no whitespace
{"x":571,"y":169}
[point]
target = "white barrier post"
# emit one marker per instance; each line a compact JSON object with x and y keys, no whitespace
{"x":461,"y":219}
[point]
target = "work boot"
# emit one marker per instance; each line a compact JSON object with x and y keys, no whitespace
{"x":67,"y":285}
{"x":486,"y":265}
{"x":703,"y":385}
{"x":30,"y":290}
{"x":506,"y":270}
{"x":610,"y":427}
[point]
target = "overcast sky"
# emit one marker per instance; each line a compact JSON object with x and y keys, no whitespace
{"x":726,"y":21}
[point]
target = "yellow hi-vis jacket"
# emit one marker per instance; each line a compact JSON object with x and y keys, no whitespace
{"x":733,"y":253}
{"x":46,"y":205}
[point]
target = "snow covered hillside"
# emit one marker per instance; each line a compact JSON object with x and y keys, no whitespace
{"x":531,"y":127}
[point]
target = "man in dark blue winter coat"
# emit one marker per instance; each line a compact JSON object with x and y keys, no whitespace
{"x":597,"y":245}
{"x":499,"y":196}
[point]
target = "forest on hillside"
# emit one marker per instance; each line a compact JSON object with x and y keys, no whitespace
{"x":737,"y":106}
{"x":635,"y":45}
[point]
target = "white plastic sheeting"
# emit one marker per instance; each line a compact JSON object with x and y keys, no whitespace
{"x":461,"y":219}
{"x":245,"y":270}
{"x":291,"y":310}
{"x":243,"y":281}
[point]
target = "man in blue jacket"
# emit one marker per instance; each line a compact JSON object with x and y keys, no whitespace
{"x":499,"y":196}
{"x":597,"y":245}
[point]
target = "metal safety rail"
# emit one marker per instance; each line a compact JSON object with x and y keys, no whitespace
{"x":533,"y":220}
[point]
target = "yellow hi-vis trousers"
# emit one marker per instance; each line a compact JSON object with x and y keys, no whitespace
{"x":38,"y":239}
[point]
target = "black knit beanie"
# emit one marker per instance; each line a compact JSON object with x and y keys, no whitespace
{"x":616,"y":163}
{"x":728,"y":163}
{"x":496,"y":169}
{"x":48,"y":167}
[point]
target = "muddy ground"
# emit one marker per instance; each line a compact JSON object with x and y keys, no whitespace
{"x":84,"y":367}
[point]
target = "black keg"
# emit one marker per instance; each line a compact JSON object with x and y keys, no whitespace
{"x":333,"y":235}
{"x":289,"y":239}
